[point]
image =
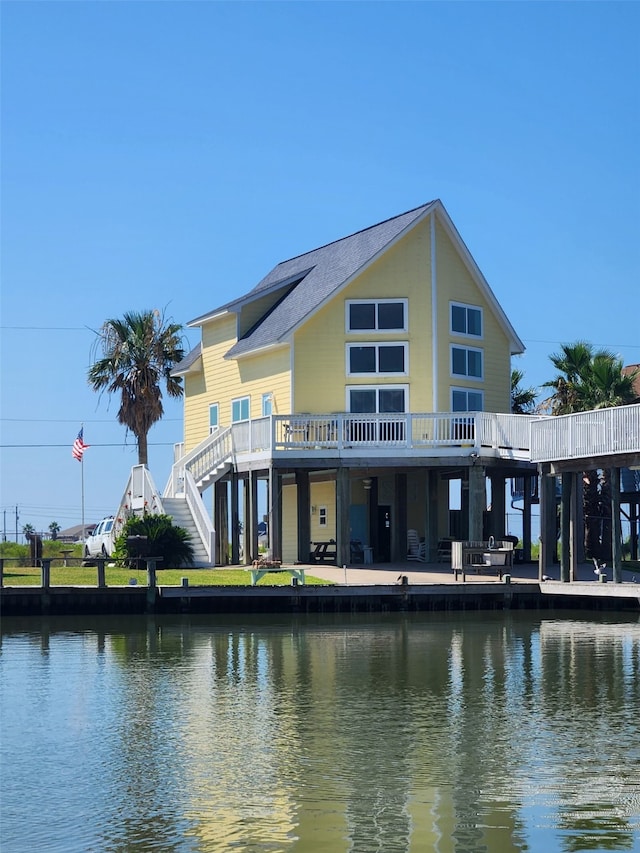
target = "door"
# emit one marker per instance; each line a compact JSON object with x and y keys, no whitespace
{"x":384,"y":534}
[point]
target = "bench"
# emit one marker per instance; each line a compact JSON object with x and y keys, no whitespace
{"x":322,"y":554}
{"x":260,"y":568}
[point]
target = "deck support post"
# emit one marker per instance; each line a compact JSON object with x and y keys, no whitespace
{"x":399,"y":529}
{"x":303,"y":495}
{"x":616,"y":526}
{"x":548,"y":522}
{"x":566,"y":501}
{"x":477,"y":502}
{"x":343,"y":500}
{"x":235,"y":522}
{"x":274,"y":504}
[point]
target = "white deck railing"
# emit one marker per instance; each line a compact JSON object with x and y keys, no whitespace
{"x":418,"y":432}
{"x":601,"y":432}
{"x":429,"y":434}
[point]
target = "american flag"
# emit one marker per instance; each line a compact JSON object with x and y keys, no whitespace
{"x":79,"y":446}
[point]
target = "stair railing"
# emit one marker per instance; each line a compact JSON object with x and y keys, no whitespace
{"x":201,"y":519}
{"x":201,"y":460}
{"x":140,"y":496}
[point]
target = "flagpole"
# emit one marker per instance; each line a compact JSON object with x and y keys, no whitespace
{"x":84,"y":532}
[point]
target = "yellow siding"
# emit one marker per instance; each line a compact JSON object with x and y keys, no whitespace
{"x":226,"y":379}
{"x":323,"y":494}
{"x":455,"y":283}
{"x":320,"y":346}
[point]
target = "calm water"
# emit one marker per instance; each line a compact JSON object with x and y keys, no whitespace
{"x":422,"y":733}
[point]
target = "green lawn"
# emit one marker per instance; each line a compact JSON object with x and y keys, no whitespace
{"x":118,"y":576}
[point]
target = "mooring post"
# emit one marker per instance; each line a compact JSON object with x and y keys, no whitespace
{"x":100,"y":561}
{"x":45,"y":572}
{"x":151,"y":583}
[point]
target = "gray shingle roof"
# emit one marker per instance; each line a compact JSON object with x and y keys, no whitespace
{"x":296,"y":288}
{"x":323,"y":270}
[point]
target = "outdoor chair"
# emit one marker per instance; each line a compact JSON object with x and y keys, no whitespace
{"x":416,"y":550}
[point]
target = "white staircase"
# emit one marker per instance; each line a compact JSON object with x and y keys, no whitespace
{"x":179,"y":510}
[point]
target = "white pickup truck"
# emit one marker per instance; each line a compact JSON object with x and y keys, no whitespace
{"x":101,"y":542}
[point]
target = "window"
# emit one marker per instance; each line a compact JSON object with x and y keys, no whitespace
{"x":385,"y":399}
{"x":371,"y":400}
{"x":466,"y":361}
{"x":322,"y":516}
{"x":466,"y":320}
{"x":466,"y":400}
{"x":214,"y":412}
{"x":376,"y":358}
{"x":267,"y":404}
{"x":240,"y":409}
{"x":381,"y":315}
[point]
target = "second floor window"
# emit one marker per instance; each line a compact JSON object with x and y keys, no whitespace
{"x":466,"y":361}
{"x":214,"y":413}
{"x":376,"y":358}
{"x":267,"y":404}
{"x":380,"y":315}
{"x":466,"y":400}
{"x":466,"y":320}
{"x":240,"y":409}
{"x":371,"y":400}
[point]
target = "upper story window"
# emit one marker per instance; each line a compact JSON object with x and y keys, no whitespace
{"x":466,"y":400}
{"x":376,"y":358}
{"x":379,"y":315}
{"x":214,"y":417}
{"x":240,"y":409}
{"x":267,"y":404}
{"x":466,"y":320}
{"x":466,"y":361}
{"x":371,"y":400}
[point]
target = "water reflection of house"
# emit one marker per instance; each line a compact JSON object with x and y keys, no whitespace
{"x":352,"y":386}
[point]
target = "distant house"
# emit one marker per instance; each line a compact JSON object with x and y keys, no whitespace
{"x":630,"y":369}
{"x":354,"y":383}
{"x":77,"y":533}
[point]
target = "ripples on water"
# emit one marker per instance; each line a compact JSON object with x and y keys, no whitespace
{"x":422,"y":733}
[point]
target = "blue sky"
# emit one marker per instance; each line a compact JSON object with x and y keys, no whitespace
{"x":167,"y":155}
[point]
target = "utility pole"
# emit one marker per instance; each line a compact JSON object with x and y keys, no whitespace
{"x":16,"y":523}
{"x":4,"y":525}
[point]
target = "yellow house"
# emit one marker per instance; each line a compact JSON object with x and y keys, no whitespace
{"x":343,"y":395}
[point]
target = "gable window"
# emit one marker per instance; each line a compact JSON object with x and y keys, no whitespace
{"x":267,"y":404}
{"x":380,"y":315}
{"x":214,"y":416}
{"x":466,"y":320}
{"x":466,"y":400}
{"x":371,"y":400}
{"x":466,"y":361}
{"x":376,"y":358}
{"x":240,"y":409}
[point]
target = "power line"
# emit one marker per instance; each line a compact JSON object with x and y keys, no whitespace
{"x":66,"y":444}
{"x":74,"y":421}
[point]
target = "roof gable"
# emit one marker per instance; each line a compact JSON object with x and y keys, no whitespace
{"x":297,"y":288}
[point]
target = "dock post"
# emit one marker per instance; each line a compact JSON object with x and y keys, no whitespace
{"x":100,"y":561}
{"x":45,"y":572}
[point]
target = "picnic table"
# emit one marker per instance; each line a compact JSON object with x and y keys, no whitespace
{"x":321,"y":552}
{"x":260,"y":568}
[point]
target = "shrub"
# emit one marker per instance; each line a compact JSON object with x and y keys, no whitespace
{"x":163,"y":539}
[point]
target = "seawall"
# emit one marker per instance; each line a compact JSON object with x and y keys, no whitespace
{"x":35,"y":601}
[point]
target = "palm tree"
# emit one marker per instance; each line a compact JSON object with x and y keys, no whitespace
{"x":54,"y":529}
{"x":590,"y":379}
{"x":523,"y":400}
{"x":138,"y":354}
